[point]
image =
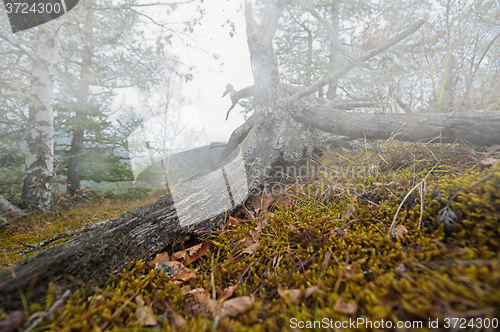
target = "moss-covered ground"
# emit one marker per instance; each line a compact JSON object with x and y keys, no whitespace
{"x":358,"y":241}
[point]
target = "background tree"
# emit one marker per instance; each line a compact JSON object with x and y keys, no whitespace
{"x":112,"y":52}
{"x":39,"y":131}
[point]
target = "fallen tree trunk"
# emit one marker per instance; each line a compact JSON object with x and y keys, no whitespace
{"x":7,"y":208}
{"x":105,"y":248}
{"x":476,"y":127}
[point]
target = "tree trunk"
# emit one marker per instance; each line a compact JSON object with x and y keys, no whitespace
{"x":7,"y":208}
{"x":39,"y":156}
{"x":332,"y":85}
{"x":82,"y":108}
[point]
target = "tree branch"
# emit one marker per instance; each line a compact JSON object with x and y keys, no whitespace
{"x":29,"y":53}
{"x":331,"y":34}
{"x":349,"y":66}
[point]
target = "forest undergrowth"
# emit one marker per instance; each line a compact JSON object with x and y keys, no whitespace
{"x":401,"y":233}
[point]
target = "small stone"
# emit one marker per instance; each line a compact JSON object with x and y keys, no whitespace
{"x":168,"y":270}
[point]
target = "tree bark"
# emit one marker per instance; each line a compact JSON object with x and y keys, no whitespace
{"x":39,"y":155}
{"x":476,"y":127}
{"x":8,"y":208}
{"x":106,"y":247}
{"x":82,"y":107}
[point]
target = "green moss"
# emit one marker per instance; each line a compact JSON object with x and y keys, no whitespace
{"x":351,"y":257}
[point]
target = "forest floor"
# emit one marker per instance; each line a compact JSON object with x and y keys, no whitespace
{"x":396,"y":237}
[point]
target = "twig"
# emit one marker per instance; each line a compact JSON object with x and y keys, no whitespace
{"x":62,"y":236}
{"x":49,"y":313}
{"x":418,"y":185}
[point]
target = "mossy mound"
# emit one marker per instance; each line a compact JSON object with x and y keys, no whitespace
{"x":344,"y":249}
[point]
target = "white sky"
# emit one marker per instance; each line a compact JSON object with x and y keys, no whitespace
{"x":210,"y":78}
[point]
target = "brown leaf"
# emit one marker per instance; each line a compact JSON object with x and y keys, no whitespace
{"x":236,"y":306}
{"x":262,"y":202}
{"x":296,"y":190}
{"x":245,"y":243}
{"x":195,"y":291}
{"x":283,"y":200}
{"x":252,"y":249}
{"x":350,"y":270}
{"x":255,"y":233}
{"x":347,"y":308}
{"x":228,"y":292}
{"x":177,"y":321}
{"x":181,"y":273}
{"x":144,"y":313}
{"x":296,"y":296}
{"x":13,"y":322}
{"x":232,"y":221}
{"x":401,"y":231}
{"x":191,"y":254}
{"x":489,"y":161}
{"x":197,"y":251}
{"x":404,"y":182}
{"x":180,"y":256}
{"x":161,"y":257}
{"x":351,"y":208}
{"x":294,"y":229}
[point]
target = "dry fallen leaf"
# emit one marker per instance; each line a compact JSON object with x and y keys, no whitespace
{"x":350,"y":270}
{"x":296,"y":296}
{"x":294,"y":229}
{"x":245,"y":243}
{"x":252,"y":249}
{"x":283,"y":200}
{"x":221,"y":307}
{"x":228,"y":292}
{"x":181,"y":273}
{"x":13,"y":321}
{"x":161,"y":257}
{"x":404,"y":182}
{"x":144,"y":313}
{"x":347,"y":308}
{"x":177,"y":321}
{"x":349,"y":211}
{"x":262,"y":202}
{"x":296,"y":190}
{"x":232,"y":221}
{"x":401,"y":231}
{"x":255,"y":233}
{"x":197,"y":251}
{"x":236,"y":306}
{"x":489,"y":161}
{"x":191,"y":254}
{"x":195,"y":291}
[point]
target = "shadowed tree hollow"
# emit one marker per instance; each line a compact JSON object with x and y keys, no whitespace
{"x":287,"y":125}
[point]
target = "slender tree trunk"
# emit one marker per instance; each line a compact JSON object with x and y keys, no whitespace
{"x":39,"y":154}
{"x":332,"y":85}
{"x":82,"y":108}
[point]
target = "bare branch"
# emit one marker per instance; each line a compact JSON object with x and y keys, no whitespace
{"x":349,"y":66}
{"x":20,"y":47}
{"x":331,"y":34}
